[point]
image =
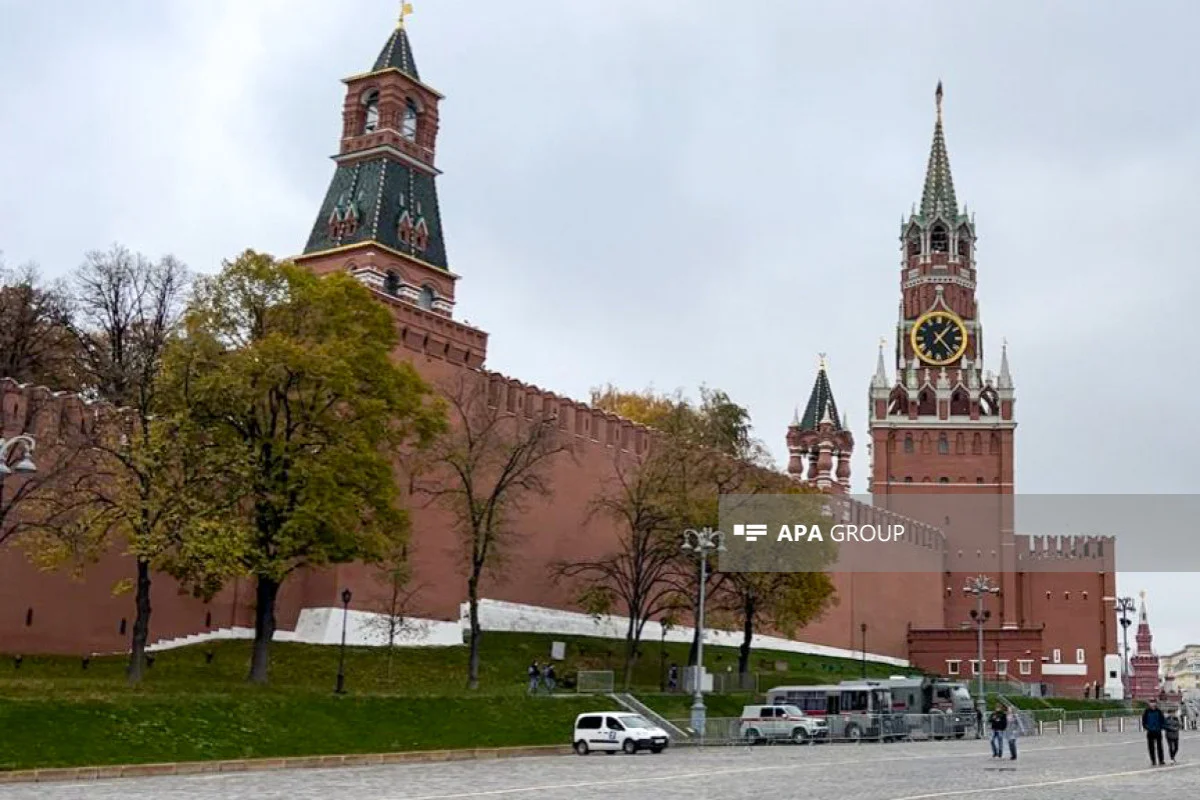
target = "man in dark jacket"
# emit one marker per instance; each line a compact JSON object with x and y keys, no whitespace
{"x":999,"y":722}
{"x":1153,"y":723}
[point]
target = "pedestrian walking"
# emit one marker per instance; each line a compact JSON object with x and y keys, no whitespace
{"x":1171,"y":728}
{"x":1011,"y":732}
{"x":673,"y":678}
{"x":535,"y":676}
{"x":998,"y":722}
{"x":1153,"y":722}
{"x":548,"y":678}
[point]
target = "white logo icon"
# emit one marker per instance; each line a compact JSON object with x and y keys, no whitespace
{"x":751,"y":532}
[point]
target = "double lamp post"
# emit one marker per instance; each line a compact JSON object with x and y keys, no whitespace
{"x":980,"y":587}
{"x":700,"y":543}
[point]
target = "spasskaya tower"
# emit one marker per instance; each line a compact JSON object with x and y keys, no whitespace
{"x":943,"y":424}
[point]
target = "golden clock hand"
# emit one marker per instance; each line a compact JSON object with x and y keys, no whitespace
{"x":938,"y":337}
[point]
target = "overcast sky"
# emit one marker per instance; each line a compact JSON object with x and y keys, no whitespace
{"x":663,"y":194}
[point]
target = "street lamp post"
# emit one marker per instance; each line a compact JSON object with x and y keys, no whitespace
{"x":701,"y":543}
{"x":980,"y":587}
{"x":864,"y":651}
{"x":1125,"y":608}
{"x":7,"y":446}
{"x":341,"y":676}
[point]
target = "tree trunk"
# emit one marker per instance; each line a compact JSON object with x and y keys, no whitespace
{"x":748,"y":611}
{"x":266,"y":592}
{"x":141,"y":623}
{"x":473,"y":616}
{"x":631,"y":643}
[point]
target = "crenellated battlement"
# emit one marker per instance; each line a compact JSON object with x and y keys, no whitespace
{"x":1075,"y":547}
{"x":574,"y":417}
{"x":847,"y":510}
{"x":47,"y":415}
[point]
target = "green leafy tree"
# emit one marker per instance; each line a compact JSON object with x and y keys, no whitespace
{"x":287,"y":382}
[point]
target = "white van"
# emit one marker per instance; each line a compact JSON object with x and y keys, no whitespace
{"x":610,"y":731}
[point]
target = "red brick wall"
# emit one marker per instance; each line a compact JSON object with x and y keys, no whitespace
{"x":83,"y":616}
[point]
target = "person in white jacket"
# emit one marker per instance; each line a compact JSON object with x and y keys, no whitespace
{"x":1011,"y":732}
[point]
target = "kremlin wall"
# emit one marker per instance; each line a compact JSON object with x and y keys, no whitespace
{"x":380,"y":221}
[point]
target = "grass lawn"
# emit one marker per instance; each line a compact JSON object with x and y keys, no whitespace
{"x":55,"y":713}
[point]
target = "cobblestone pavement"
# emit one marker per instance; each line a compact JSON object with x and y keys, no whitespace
{"x":1060,"y":767}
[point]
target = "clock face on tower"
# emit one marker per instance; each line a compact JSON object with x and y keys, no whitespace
{"x":939,"y":338}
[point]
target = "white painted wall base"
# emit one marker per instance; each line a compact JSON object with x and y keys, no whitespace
{"x":366,"y":629}
{"x":495,"y":615}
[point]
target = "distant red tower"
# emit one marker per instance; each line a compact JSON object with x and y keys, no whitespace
{"x":1144,"y":683}
{"x":819,"y":444}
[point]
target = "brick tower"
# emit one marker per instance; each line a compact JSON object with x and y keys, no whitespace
{"x":943,"y":425}
{"x":819,"y":443}
{"x":380,"y":218}
{"x":1143,"y":667}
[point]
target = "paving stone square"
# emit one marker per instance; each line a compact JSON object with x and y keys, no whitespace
{"x":1060,"y":767}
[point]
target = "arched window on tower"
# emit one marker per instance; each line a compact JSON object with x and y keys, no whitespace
{"x":427,"y":296}
{"x":927,"y":402}
{"x":943,"y":444}
{"x":371,"y":122}
{"x":408,"y":127}
{"x":989,"y":402}
{"x":964,"y":245}
{"x":939,"y":240}
{"x":960,"y":402}
{"x":908,"y":443}
{"x":914,"y":244}
{"x":391,"y":283}
{"x":898,"y":402}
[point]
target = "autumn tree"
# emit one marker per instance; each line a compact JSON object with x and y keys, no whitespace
{"x":641,"y":577}
{"x":287,"y":381}
{"x":484,"y":471}
{"x":393,"y":619}
{"x":36,"y":345}
{"x":760,"y":593}
{"x":127,"y":309}
{"x":705,"y":449}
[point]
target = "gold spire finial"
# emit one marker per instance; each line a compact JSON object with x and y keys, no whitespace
{"x":938,"y":95}
{"x":405,"y":10}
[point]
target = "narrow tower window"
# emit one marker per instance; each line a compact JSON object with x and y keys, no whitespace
{"x":908,"y":443}
{"x":372,"y":118}
{"x":409,"y":127}
{"x":964,"y":245}
{"x":391,"y":284}
{"x":943,"y":444}
{"x":426,"y":297}
{"x":939,"y":242}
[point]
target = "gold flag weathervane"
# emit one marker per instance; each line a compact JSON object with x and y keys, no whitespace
{"x":405,"y":10}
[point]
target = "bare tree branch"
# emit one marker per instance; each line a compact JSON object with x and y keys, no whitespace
{"x":485,"y":471}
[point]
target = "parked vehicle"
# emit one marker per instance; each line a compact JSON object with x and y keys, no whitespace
{"x":617,"y":730}
{"x":854,"y":710}
{"x":934,"y":707}
{"x":774,"y":722}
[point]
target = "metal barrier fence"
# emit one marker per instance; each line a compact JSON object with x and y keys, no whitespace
{"x":855,"y":728}
{"x":832,"y":728}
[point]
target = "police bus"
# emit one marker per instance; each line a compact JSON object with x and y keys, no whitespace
{"x":854,"y":710}
{"x":935,"y":708}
